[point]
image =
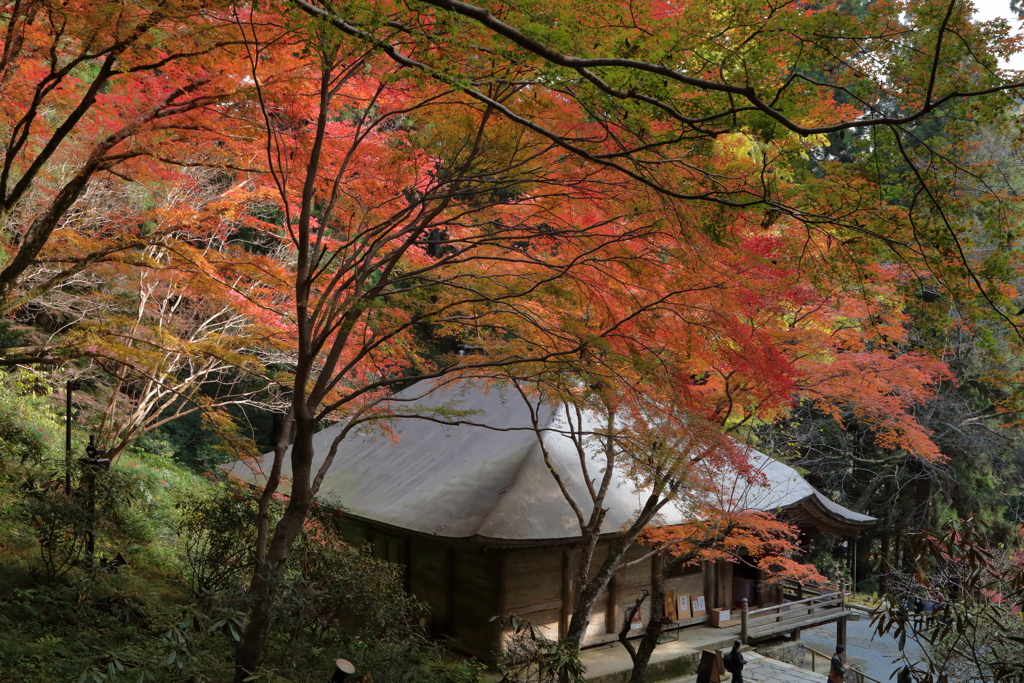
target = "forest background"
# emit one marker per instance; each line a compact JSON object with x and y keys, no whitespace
{"x":226,"y":225}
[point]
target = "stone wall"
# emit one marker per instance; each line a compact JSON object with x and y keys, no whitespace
{"x":790,"y":652}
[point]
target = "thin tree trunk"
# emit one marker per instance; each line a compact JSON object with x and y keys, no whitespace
{"x":262,"y":588}
{"x":641,"y":656}
{"x":883,"y":579}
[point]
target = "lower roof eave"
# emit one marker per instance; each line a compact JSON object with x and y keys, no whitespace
{"x":827,"y":520}
{"x":478,"y":539}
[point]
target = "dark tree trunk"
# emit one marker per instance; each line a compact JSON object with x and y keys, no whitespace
{"x":641,"y":656}
{"x":250,"y":649}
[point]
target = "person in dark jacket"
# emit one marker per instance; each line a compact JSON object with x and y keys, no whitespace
{"x":836,"y":668}
{"x":734,"y":662}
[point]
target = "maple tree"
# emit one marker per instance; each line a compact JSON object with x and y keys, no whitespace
{"x":714,"y":338}
{"x":168,"y":333}
{"x":465,"y":242}
{"x":98,"y":99}
{"x":682,"y":466}
{"x":643,"y":190}
{"x":656,"y":78}
{"x":415,"y":214}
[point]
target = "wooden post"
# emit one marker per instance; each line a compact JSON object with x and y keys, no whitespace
{"x":566,"y":613}
{"x":744,"y":615}
{"x":611,"y":613}
{"x":853,"y":572}
{"x":449,"y":584}
{"x":407,"y":561}
{"x":841,"y":632}
{"x":501,"y":598}
{"x":67,"y":440}
{"x":710,"y":570}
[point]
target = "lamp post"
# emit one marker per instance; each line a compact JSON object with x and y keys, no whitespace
{"x":71,"y":386}
{"x":95,"y":462}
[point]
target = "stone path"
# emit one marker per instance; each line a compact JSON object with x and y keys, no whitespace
{"x":611,"y":663}
{"x":761,"y":669}
{"x":607,"y":660}
{"x":877,"y":656}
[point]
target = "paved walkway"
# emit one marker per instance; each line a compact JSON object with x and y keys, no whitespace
{"x":608,"y":659}
{"x":761,"y":669}
{"x":877,"y":656}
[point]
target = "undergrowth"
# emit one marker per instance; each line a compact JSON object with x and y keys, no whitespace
{"x":175,"y":609}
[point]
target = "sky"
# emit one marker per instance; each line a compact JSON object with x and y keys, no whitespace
{"x":990,"y":9}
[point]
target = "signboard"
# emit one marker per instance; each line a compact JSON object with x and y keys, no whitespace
{"x":683,"y":606}
{"x":697,"y":605}
{"x":670,"y":606}
{"x":711,"y":668}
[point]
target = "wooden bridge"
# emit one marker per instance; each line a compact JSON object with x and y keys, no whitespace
{"x":819,"y":607}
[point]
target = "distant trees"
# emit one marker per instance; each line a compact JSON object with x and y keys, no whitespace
{"x":974,"y":633}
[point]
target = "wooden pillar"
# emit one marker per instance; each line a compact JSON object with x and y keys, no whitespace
{"x":499,"y":582}
{"x":500,"y":599}
{"x":449,"y":587}
{"x":853,"y":572}
{"x":407,"y":561}
{"x":725,"y":596}
{"x":566,"y":613}
{"x":841,"y":632}
{"x":611,"y":613}
{"x":710,"y":582}
{"x":762,"y":591}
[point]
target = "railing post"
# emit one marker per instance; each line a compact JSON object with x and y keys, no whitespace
{"x":744,"y":615}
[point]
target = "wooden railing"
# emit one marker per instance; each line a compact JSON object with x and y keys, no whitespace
{"x":815,"y":654}
{"x":798,"y":591}
{"x":789,"y":615}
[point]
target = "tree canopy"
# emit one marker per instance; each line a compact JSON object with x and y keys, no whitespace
{"x":726,"y":214}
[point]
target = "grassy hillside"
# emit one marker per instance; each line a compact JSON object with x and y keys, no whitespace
{"x":174,"y":611}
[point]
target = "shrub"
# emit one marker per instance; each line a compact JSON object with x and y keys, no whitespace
{"x":218,"y":538}
{"x":528,"y":656}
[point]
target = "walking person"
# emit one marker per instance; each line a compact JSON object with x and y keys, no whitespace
{"x":836,"y":668}
{"x":918,"y":611}
{"x":734,"y":662}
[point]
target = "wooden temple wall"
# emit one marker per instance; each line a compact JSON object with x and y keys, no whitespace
{"x":466,"y":584}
